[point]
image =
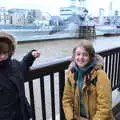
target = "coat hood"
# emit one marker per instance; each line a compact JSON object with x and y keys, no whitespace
{"x":99,"y":59}
{"x":10,"y":40}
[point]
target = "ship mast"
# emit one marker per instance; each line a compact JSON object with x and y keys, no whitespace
{"x":80,"y":3}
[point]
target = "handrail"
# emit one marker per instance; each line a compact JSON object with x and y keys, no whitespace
{"x":54,"y":74}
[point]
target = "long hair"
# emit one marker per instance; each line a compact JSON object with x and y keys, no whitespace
{"x":88,"y":46}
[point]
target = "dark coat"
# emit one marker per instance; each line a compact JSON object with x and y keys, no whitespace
{"x":13,"y":103}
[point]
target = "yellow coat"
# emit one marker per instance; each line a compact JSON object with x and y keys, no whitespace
{"x":98,"y":104}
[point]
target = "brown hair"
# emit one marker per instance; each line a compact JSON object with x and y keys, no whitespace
{"x":88,"y":46}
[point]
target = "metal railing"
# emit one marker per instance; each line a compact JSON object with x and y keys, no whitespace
{"x":48,"y":74}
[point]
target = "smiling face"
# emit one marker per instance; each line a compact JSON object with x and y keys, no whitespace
{"x":81,"y":57}
{"x":83,"y":53}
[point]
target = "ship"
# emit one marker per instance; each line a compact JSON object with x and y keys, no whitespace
{"x":26,"y":32}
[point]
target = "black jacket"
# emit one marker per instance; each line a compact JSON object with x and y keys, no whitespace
{"x":13,"y":103}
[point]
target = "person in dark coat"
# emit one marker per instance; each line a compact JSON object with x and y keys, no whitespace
{"x":13,"y":74}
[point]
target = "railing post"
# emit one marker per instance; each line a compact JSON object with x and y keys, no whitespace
{"x":52,"y":95}
{"x":43,"y":97}
{"x":32,"y":99}
{"x":61,"y":88}
{"x":119,"y":74}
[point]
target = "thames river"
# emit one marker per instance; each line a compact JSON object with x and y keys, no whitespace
{"x":56,"y":49}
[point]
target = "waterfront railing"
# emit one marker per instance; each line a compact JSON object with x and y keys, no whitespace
{"x":49,"y":73}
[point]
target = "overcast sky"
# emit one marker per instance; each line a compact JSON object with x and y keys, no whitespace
{"x":52,"y":6}
{"x":94,"y":5}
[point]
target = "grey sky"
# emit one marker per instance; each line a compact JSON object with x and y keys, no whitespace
{"x":53,"y":6}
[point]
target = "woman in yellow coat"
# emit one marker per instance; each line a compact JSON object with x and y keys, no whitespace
{"x":87,"y":92}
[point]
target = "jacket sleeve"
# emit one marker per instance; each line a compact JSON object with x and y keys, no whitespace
{"x":104,"y":97}
{"x":26,"y":62}
{"x":28,"y":59}
{"x":67,"y":100}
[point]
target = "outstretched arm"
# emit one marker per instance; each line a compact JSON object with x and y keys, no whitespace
{"x":28,"y":60}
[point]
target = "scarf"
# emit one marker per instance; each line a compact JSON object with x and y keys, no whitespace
{"x":4,"y":63}
{"x":81,"y":72}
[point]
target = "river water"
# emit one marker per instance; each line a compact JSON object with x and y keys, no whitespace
{"x":53,"y":50}
{"x":56,"y":49}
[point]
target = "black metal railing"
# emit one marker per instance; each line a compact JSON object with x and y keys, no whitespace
{"x":112,"y":65}
{"x":46,"y":93}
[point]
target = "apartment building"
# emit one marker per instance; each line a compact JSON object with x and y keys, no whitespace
{"x":4,"y":16}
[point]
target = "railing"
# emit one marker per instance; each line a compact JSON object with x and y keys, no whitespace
{"x":52,"y":77}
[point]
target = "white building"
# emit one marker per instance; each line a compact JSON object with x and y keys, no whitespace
{"x":110,"y":14}
{"x":18,"y":19}
{"x":101,"y":16}
{"x":18,"y":16}
{"x":4,"y":16}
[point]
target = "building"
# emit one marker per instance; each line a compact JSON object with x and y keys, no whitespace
{"x":4,"y":16}
{"x":18,"y":16}
{"x":101,"y":16}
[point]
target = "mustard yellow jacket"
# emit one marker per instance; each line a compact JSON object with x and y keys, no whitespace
{"x":98,"y":104}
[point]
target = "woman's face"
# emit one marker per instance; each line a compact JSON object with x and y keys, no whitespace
{"x":81,"y":57}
